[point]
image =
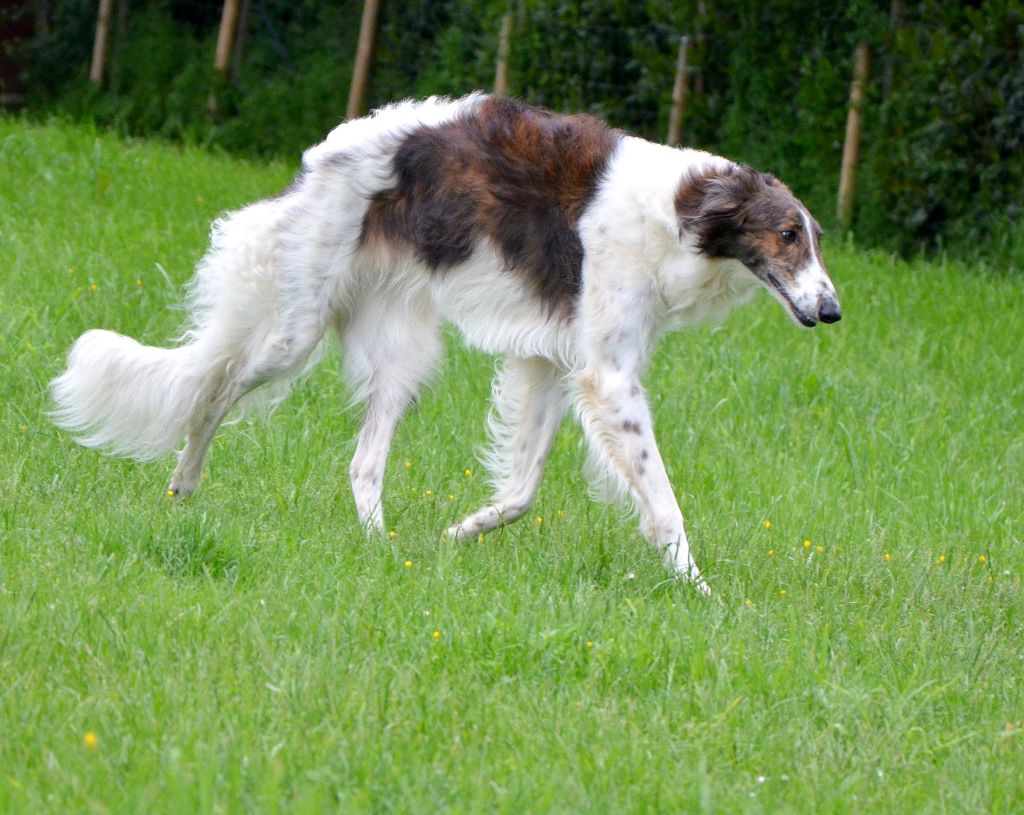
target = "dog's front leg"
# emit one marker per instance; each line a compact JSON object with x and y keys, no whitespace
{"x":619,"y":427}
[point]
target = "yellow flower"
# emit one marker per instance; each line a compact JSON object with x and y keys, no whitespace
{"x":392,"y":534}
{"x":590,"y":644}
{"x":138,"y":281}
{"x":888,"y":557}
{"x":771,"y":553}
{"x":451,"y":497}
{"x":89,"y":740}
{"x":807,"y":544}
{"x":748,"y":602}
{"x":560,"y":513}
{"x":942,"y":559}
{"x":783,"y":593}
{"x":819,"y":549}
{"x":480,"y":538}
{"x":437,"y":635}
{"x":428,"y":493}
{"x":538,"y":520}
{"x":408,"y":564}
{"x":170,"y":493}
{"x":93,"y":287}
{"x":982,"y":559}
{"x":468,"y":472}
{"x":766,"y":524}
{"x":408,"y":465}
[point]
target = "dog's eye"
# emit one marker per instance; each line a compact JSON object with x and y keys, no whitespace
{"x":787,"y":235}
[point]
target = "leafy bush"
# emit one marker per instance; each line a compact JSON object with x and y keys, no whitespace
{"x":942,"y":163}
{"x":947,"y":166}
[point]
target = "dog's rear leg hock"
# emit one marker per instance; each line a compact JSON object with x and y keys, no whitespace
{"x":529,"y":402}
{"x":190,"y":460}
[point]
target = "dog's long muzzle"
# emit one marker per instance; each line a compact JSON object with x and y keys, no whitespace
{"x":811,"y":303}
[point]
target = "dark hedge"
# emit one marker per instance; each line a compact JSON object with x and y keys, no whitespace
{"x":942,"y":164}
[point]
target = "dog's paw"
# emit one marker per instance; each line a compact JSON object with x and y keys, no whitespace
{"x":177,"y":490}
{"x":456,"y":532}
{"x":684,"y":568}
{"x":689,"y":573}
{"x":700,"y":585}
{"x":183,"y":484}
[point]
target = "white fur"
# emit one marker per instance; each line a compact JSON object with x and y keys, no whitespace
{"x":812,"y":283}
{"x":281,"y":272}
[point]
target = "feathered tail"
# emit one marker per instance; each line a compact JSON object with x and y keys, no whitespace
{"x":127,"y":398}
{"x":243,"y":335}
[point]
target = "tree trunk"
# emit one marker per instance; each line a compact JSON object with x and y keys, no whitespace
{"x":361,"y":70}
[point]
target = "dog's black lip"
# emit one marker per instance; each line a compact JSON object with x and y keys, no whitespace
{"x":803,"y":319}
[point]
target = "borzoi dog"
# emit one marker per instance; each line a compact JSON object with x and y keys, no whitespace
{"x":564,"y":246}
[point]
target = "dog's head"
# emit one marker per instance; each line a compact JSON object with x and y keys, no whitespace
{"x":737,"y":212}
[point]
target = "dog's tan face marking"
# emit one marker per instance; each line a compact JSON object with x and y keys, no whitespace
{"x":736,"y":212}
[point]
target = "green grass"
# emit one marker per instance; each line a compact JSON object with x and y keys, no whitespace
{"x":247,"y":651}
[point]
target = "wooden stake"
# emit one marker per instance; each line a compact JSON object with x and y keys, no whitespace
{"x":226,"y":38}
{"x":851,"y":146}
{"x":504,"y":46}
{"x":99,"y":47}
{"x":675,"y":116}
{"x":361,"y":70}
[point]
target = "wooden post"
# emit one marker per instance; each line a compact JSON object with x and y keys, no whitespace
{"x":222,"y":58}
{"x":501,"y":67}
{"x":675,"y":116}
{"x":361,"y":70}
{"x":98,"y":68}
{"x":851,"y":146}
{"x":226,"y":38}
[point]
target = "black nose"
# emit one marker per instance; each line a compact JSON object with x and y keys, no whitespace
{"x":829,"y":312}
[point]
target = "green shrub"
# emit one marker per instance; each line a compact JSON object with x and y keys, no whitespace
{"x":942,"y":164}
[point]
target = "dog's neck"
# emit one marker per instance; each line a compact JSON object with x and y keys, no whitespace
{"x":695,"y":289}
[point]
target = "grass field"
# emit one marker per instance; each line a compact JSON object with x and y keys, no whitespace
{"x":854,"y":494}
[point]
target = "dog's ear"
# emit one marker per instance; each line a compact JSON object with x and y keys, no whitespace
{"x":713,"y":205}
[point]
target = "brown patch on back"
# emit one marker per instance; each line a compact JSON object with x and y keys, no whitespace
{"x":518,"y":175}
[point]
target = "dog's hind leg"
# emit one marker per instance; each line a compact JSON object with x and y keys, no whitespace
{"x":391,"y":348}
{"x":279,"y":357}
{"x":190,"y":460}
{"x":529,"y":402}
